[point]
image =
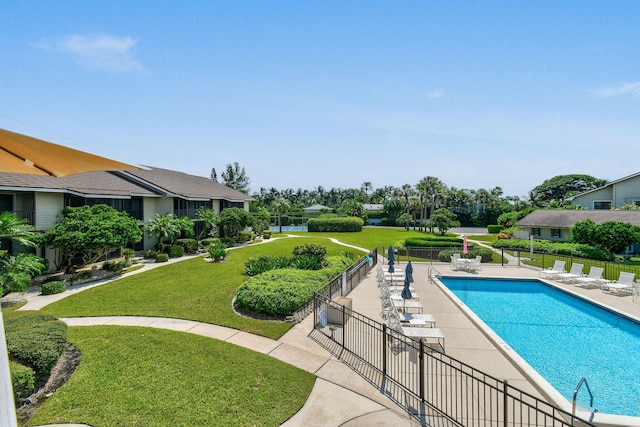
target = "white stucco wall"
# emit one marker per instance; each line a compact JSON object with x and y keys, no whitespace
{"x":48,"y":210}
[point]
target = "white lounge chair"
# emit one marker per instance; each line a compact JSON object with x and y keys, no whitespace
{"x":636,"y":292}
{"x":455,"y":262}
{"x":427,"y":335}
{"x":558,"y":268}
{"x":624,"y":284}
{"x":594,"y":279}
{"x":475,"y":265}
{"x":574,"y":273}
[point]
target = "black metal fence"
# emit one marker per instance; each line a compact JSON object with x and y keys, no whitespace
{"x":341,"y":284}
{"x":436,"y":389}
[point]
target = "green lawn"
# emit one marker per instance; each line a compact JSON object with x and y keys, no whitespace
{"x":192,"y":289}
{"x":150,"y":377}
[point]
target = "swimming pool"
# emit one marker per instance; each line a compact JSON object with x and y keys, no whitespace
{"x":288,"y":228}
{"x":562,"y":337}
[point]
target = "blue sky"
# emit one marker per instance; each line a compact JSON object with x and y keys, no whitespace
{"x":333,"y":93}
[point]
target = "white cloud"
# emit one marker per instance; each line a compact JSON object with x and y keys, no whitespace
{"x":435,"y":94}
{"x":622,"y":89}
{"x":101,"y":51}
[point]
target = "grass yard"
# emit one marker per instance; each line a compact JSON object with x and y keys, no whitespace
{"x":150,"y":377}
{"x":192,"y":289}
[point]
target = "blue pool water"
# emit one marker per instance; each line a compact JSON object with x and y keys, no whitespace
{"x":286,"y":228}
{"x":562,"y":337}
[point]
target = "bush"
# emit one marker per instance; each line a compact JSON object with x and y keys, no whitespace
{"x":485,"y":253}
{"x":23,"y":379}
{"x":150,"y":254}
{"x":266,"y":234}
{"x":262,"y":264}
{"x":55,"y":287}
{"x":190,"y":245}
{"x":205,"y":243}
{"x":558,"y":248}
{"x":283,"y":291}
{"x":175,"y":251}
{"x":307,"y":262}
{"x":494,"y":229}
{"x":348,"y":224}
{"x":114,"y":265}
{"x":311,"y":249}
{"x":162,"y":257}
{"x":217,"y":251}
{"x":81,"y":276}
{"x":246,"y":236}
{"x":432,"y":241}
{"x":35,"y":339}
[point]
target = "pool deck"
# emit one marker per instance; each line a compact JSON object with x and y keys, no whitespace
{"x":464,"y":340}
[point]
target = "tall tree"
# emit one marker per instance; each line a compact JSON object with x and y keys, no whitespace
{"x":235,"y":177}
{"x":214,"y":175}
{"x":407,"y":192}
{"x":280,"y":205}
{"x":560,"y":187}
{"x":431,"y":191}
{"x":90,"y":232}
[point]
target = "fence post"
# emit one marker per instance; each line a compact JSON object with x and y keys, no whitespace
{"x":505,"y":403}
{"x":421,"y":370}
{"x":344,"y":326}
{"x":384,"y":350}
{"x":502,"y":257}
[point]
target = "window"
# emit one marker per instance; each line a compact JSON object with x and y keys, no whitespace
{"x":535,"y":232}
{"x":602,"y":205}
{"x":555,"y":232}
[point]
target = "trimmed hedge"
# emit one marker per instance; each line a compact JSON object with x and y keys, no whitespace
{"x":175,"y":251}
{"x":348,"y":224}
{"x":162,"y":257}
{"x":35,"y":339}
{"x":55,"y":287}
{"x":485,"y":253}
{"x":494,"y":229}
{"x":190,"y":245}
{"x":205,"y":243}
{"x":558,"y":248}
{"x":246,"y":236}
{"x":432,"y":241}
{"x":266,"y":234}
{"x":283,"y":291}
{"x":23,"y":379}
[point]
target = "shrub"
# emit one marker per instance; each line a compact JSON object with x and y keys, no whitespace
{"x":504,"y":236}
{"x":432,"y":241}
{"x":283,"y":291}
{"x":162,"y":257}
{"x":494,"y":228}
{"x":205,"y":243}
{"x":175,"y":251}
{"x":266,"y":234}
{"x":217,"y":251}
{"x":81,"y":276}
{"x":262,"y":264}
{"x":114,"y":265}
{"x":348,"y":224}
{"x":150,"y":254}
{"x":190,"y":245}
{"x":559,"y":248}
{"x":35,"y":339}
{"x":307,"y":262}
{"x":311,"y":249}
{"x":245,"y":236}
{"x":485,"y":253}
{"x":23,"y":379}
{"x":55,"y":287}
{"x":128,"y":253}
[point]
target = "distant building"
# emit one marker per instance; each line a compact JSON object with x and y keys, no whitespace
{"x":611,"y":195}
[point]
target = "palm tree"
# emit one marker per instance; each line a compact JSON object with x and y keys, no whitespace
{"x":163,"y":227}
{"x":210,"y":219}
{"x":280,"y":205}
{"x":16,"y":229}
{"x":407,"y":192}
{"x":431,"y":191}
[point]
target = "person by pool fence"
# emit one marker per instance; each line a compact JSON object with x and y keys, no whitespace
{"x":434,"y":388}
{"x":340,"y":285}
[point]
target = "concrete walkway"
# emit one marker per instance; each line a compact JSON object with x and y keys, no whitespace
{"x":341,"y":397}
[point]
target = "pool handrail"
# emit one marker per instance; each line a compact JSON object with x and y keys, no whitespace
{"x":583,"y":381}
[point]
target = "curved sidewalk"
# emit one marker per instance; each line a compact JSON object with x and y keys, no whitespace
{"x":340,"y":397}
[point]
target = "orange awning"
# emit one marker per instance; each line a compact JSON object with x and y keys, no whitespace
{"x":24,"y":154}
